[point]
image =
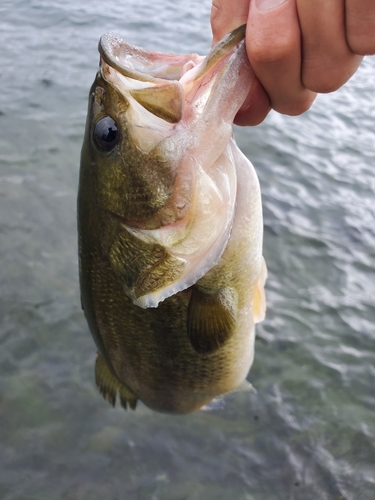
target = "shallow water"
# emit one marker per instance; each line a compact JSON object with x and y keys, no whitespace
{"x":310,"y":431}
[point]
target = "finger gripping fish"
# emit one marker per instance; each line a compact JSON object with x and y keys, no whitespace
{"x":170,"y":226}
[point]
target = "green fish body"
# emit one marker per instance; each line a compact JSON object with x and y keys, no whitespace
{"x":170,"y":226}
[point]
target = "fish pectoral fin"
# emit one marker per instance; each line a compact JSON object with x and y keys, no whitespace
{"x":163,"y":101}
{"x":259,"y":304}
{"x":211,"y":319}
{"x":109,"y":385}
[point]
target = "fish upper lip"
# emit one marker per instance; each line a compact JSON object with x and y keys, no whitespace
{"x":159,"y":82}
{"x":111,"y":45}
{"x":112,"y":49}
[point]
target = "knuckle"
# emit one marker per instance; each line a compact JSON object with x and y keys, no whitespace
{"x":303,"y":106}
{"x":298,"y":106}
{"x":360,"y":30}
{"x":322,"y":85}
{"x":262,"y":50}
{"x":361,"y":44}
{"x":328,"y":76}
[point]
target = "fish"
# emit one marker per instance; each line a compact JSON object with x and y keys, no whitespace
{"x":170,"y":228}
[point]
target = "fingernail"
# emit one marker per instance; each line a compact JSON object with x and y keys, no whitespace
{"x":267,"y":4}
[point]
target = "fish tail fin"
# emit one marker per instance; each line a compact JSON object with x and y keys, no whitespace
{"x":109,"y":385}
{"x":259,"y":307}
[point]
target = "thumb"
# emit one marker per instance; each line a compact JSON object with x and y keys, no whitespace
{"x":226,"y":15}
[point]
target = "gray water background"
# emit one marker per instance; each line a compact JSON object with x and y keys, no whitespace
{"x":309,"y":433}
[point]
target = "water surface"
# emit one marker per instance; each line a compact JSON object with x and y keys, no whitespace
{"x":309,"y":433}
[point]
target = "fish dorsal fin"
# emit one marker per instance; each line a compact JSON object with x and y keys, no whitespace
{"x":211,"y":319}
{"x":164,"y":101}
{"x":259,"y":304}
{"x":109,"y":385}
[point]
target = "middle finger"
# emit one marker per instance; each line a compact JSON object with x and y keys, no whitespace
{"x":327,"y":61}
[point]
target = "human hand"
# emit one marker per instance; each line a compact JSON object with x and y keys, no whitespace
{"x":297,"y":48}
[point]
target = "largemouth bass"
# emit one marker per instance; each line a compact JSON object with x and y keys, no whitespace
{"x":170,"y":226}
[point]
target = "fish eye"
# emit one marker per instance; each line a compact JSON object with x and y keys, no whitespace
{"x":106,"y":134}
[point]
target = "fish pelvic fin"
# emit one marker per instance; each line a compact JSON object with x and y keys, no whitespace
{"x":109,"y":385}
{"x":259,"y":304}
{"x":211,"y":319}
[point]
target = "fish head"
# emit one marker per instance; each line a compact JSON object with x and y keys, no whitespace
{"x":154,"y":160}
{"x":126,"y":181}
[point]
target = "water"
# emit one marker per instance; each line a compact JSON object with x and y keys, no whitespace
{"x":310,"y":431}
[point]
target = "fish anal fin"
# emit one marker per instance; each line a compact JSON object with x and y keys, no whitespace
{"x":211,"y":319}
{"x":127,"y":398}
{"x":109,"y":385}
{"x":164,"y":101}
{"x":259,"y":304}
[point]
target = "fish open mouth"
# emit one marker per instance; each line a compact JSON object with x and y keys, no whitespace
{"x":184,"y":105}
{"x":145,"y":66}
{"x":165,"y":84}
